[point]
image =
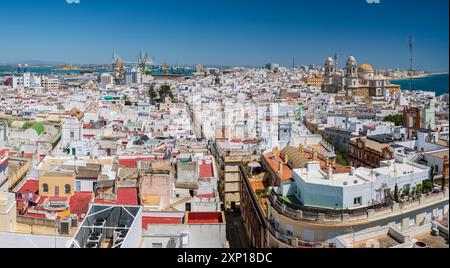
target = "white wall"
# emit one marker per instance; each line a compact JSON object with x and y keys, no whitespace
{"x":199,"y":235}
{"x":12,"y":240}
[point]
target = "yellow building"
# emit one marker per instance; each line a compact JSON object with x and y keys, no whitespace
{"x":313,"y":81}
{"x":57,"y":183}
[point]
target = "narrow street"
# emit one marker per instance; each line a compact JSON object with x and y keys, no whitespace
{"x":235,"y":230}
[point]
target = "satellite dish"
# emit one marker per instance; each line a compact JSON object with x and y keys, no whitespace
{"x":372,"y":243}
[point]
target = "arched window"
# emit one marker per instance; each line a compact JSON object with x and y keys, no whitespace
{"x":45,"y":188}
{"x":68,"y":190}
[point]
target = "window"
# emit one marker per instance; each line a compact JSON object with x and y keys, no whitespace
{"x":72,"y":134}
{"x":78,"y":186}
{"x":289,"y":233}
{"x":45,"y":188}
{"x":357,"y":201}
{"x":67,"y":188}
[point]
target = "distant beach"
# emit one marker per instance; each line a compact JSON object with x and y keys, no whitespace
{"x":415,"y":77}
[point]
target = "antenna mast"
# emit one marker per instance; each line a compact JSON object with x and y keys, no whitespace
{"x":336,"y":59}
{"x":410,"y":62}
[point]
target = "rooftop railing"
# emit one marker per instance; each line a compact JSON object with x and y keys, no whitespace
{"x":303,"y":213}
{"x":295,"y":241}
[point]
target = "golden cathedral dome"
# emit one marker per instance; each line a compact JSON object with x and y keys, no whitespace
{"x":366,"y":68}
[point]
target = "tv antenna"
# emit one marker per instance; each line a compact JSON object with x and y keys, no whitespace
{"x":336,"y":59}
{"x":411,"y":44}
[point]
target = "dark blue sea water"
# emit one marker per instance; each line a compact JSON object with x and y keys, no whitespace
{"x":437,"y":83}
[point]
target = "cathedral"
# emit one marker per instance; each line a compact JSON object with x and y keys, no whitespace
{"x":356,"y":81}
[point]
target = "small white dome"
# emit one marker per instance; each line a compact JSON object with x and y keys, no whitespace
{"x":351,"y":61}
{"x":329,"y":61}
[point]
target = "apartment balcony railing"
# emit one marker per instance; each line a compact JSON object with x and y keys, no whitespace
{"x":298,"y":212}
{"x":295,"y":241}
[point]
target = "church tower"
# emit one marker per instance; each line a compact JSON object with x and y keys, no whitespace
{"x":351,"y":76}
{"x":330,"y":70}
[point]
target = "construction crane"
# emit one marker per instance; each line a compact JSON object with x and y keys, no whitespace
{"x":142,"y":62}
{"x":118,"y":67}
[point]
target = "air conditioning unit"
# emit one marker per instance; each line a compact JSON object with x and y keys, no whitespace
{"x":64,"y":226}
{"x":92,"y":245}
{"x":118,"y":230}
{"x":120,"y":238}
{"x":95,"y":238}
{"x":99,"y":226}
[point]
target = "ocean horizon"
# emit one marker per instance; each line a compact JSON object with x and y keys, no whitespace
{"x":436,"y":83}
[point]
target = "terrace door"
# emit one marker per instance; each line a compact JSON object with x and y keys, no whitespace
{"x":56,"y":190}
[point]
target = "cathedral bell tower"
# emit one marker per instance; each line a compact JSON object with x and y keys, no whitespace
{"x":351,"y":76}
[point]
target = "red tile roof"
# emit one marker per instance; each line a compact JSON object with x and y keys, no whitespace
{"x":35,"y":215}
{"x":206,"y":170}
{"x":205,"y":195}
{"x":275,"y":165}
{"x":30,"y":155}
{"x":159,"y":220}
{"x":132,"y":162}
{"x":57,"y":198}
{"x":79,"y":203}
{"x":127,"y":196}
{"x":30,"y":186}
{"x":204,"y":217}
{"x":129,"y":163}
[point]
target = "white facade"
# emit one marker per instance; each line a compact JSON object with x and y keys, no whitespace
{"x":360,"y":188}
{"x":50,"y":83}
{"x":26,"y":80}
{"x":7,"y":212}
{"x":185,"y":236}
{"x":71,"y":130}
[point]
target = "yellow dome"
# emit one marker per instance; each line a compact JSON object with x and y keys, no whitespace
{"x":366,"y":68}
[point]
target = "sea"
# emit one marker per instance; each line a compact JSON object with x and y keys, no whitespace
{"x":437,"y":83}
{"x":6,"y":71}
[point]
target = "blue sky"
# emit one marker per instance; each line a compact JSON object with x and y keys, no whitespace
{"x":227,"y":32}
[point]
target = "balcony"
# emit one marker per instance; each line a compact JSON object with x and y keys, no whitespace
{"x":292,"y":241}
{"x":301,"y":213}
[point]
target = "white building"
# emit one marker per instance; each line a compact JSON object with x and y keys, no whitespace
{"x":106,"y":79}
{"x":359,"y":188}
{"x":27,"y":80}
{"x":50,"y":83}
{"x":7,"y":212}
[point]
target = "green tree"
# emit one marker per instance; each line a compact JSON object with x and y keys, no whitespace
{"x":397,"y":119}
{"x":152,"y":94}
{"x":165,"y":91}
{"x":427,"y":186}
{"x":407,"y":191}
{"x":127,"y":100}
{"x":342,"y":158}
{"x":396,"y":193}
